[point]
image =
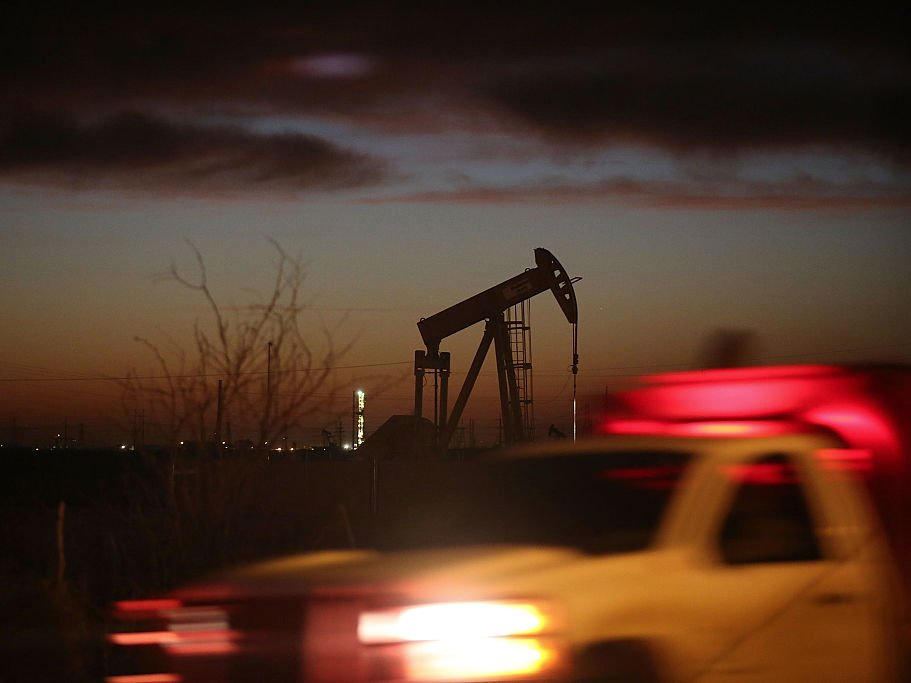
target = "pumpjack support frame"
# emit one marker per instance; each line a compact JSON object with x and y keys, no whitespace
{"x":489,"y":305}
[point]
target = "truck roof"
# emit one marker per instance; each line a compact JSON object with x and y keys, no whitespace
{"x":781,"y":441}
{"x":865,"y":405}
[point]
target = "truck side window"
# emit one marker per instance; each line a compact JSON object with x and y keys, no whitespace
{"x":769,"y":519}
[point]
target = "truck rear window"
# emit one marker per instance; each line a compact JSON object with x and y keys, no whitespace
{"x":598,"y":502}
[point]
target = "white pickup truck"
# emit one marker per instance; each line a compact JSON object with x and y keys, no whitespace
{"x":747,"y":553}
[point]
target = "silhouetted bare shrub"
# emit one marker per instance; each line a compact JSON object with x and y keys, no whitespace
{"x":274,"y":372}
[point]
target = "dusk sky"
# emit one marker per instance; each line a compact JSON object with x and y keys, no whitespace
{"x":751,"y":174}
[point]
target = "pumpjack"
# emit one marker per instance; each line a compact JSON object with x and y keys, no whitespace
{"x":490,"y":306}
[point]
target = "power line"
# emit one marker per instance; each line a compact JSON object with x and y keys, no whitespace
{"x":108,"y":378}
{"x":598,"y":372}
{"x":688,"y":365}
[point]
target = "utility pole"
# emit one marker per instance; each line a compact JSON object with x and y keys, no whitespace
{"x":575,"y":369}
{"x":264,"y":432}
{"x":138,"y":436}
{"x":218,"y":418}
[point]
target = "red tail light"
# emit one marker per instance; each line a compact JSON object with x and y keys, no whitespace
{"x":179,"y":629}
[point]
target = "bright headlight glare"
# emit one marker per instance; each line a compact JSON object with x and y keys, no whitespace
{"x":478,"y":660}
{"x":454,"y":621}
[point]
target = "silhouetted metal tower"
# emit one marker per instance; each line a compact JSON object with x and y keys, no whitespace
{"x":358,"y":406}
{"x":518,"y":326}
{"x":510,"y":340}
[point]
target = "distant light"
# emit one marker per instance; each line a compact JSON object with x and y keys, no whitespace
{"x":360,"y":403}
{"x":181,"y":443}
{"x":123,"y":446}
{"x":347,"y":446}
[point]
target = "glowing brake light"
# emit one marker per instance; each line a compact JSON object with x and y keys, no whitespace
{"x":634,"y":427}
{"x":136,"y":609}
{"x":850,"y":460}
{"x":730,"y":428}
{"x":452,"y":620}
{"x":179,"y":629}
{"x":484,"y":660}
{"x":723,"y":429}
{"x":714,"y":428}
{"x":769,"y":473}
{"x":464,"y":641}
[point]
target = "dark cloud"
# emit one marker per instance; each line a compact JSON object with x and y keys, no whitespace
{"x":82,"y":59}
{"x":801,"y":194}
{"x":721,"y":96}
{"x":222,"y":51}
{"x":772,"y":76}
{"x":138,"y":151}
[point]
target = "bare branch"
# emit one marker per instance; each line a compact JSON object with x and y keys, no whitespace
{"x":231,"y":344}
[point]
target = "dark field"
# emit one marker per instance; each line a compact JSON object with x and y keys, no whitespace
{"x":81,"y":529}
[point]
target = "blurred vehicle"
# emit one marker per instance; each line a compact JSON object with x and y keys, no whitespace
{"x":703,"y":537}
{"x":866,"y":408}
